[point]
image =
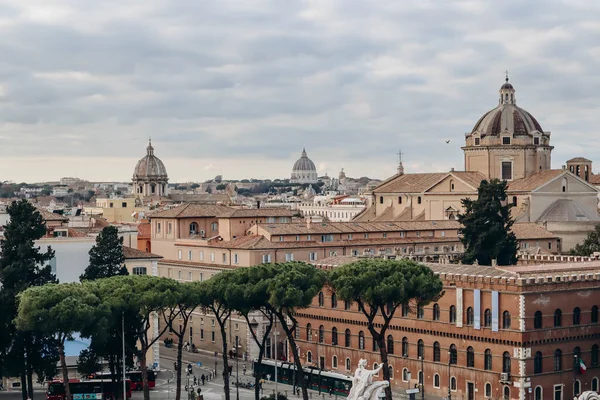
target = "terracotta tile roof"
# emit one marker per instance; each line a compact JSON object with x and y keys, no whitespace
{"x":50,"y":216}
{"x":471,"y":178}
{"x":134,"y":254}
{"x":530,"y":230}
{"x":595,"y":179}
{"x":578,"y":159}
{"x":176,"y":263}
{"x":77,"y":233}
{"x":218,"y":211}
{"x":410,"y":183}
{"x":318,"y":228}
{"x":576,"y":268}
{"x":534,"y":181}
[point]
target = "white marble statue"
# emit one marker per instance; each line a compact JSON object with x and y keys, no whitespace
{"x":589,"y":396}
{"x":363,"y":387}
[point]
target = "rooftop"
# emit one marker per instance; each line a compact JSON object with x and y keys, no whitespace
{"x":134,"y":254}
{"x":356,"y":227}
{"x":420,"y":182}
{"x":218,"y":211}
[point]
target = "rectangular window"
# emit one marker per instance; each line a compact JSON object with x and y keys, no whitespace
{"x":443,"y":233}
{"x":271,"y":220}
{"x":549,"y":245}
{"x":266,"y":258}
{"x":332,"y":253}
{"x":235,"y":258}
{"x":349,"y":236}
{"x":212,"y":336}
{"x":139,"y":270}
{"x":158,"y":227}
{"x":402,"y":234}
{"x":289,"y":256}
{"x":506,"y":140}
{"x":201,"y":334}
{"x":189,"y":276}
{"x":355,"y":253}
{"x":326,"y":238}
{"x":312,"y":256}
{"x":111,"y":205}
{"x":506,"y":170}
{"x":201,"y":256}
{"x":190,"y":255}
{"x":169,"y":273}
{"x":366,"y":235}
{"x":477,"y":141}
{"x":201,"y":276}
{"x":536,"y":141}
{"x":297,"y":238}
{"x":384,"y":234}
{"x":179,"y":254}
{"x":281,"y":238}
{"x":236,"y":326}
{"x":214,"y":226}
{"x":224,"y":255}
{"x":212,"y":256}
{"x":124,"y":205}
{"x":201,"y":321}
{"x":212,"y":322}
{"x":179,"y":275}
{"x":418,"y":234}
{"x":308,"y":237}
{"x":169,"y":228}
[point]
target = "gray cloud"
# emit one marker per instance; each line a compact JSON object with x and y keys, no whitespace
{"x":230,"y":83}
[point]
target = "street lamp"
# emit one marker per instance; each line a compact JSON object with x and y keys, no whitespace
{"x":449,"y":362}
{"x":253,"y":327}
{"x":237,"y":371}
{"x":422,"y":378}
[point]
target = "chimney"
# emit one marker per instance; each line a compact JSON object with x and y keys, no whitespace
{"x":452,"y":169}
{"x":564,"y":167}
{"x":308,"y":222}
{"x":258,"y":204}
{"x":494,"y":262}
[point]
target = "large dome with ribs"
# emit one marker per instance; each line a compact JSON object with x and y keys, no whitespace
{"x":150,"y":166}
{"x":507,"y":117}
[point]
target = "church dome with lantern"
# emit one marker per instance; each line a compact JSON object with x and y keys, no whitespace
{"x":150,"y":175}
{"x":304,"y":170}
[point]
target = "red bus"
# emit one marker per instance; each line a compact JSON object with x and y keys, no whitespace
{"x":134,"y":376}
{"x":88,"y":390}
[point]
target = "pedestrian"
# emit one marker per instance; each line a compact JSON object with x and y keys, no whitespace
{"x":202,"y":378}
{"x":244,"y":370}
{"x":195,"y":380}
{"x":330,"y":391}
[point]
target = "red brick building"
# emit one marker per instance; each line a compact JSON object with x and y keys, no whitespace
{"x":517,"y":331}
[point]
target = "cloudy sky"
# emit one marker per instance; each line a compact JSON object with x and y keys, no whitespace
{"x":239,"y":87}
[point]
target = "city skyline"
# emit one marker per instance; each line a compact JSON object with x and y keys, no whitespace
{"x":239,"y":90}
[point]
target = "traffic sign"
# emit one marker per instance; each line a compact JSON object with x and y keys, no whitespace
{"x":412,"y":391}
{"x":199,"y":364}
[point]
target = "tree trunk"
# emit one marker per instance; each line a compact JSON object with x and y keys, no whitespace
{"x":300,"y":373}
{"x":30,"y":381}
{"x":144,"y":369}
{"x":23,"y":384}
{"x":384,"y":360}
{"x":225,"y":361}
{"x":178,"y":370}
{"x":63,"y":366}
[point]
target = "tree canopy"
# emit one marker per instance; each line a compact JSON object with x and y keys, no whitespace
{"x":486,"y":226}
{"x":590,"y":245}
{"x":106,"y":256}
{"x":379,"y":287}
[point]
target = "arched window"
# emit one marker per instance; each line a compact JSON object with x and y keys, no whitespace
{"x":470,"y":357}
{"x":470,"y":316}
{"x":487,"y":318}
{"x":537,"y":363}
{"x":420,"y":377}
{"x":391,"y":371}
{"x":453,"y":383}
{"x":506,"y":362}
{"x":453,"y":354}
{"x":348,"y":366}
{"x":419,"y":200}
{"x":436,"y":381}
{"x":375,"y":344}
{"x":557,"y":317}
{"x":506,"y":320}
{"x":405,"y":346}
{"x":576,"y":358}
{"x":405,"y":374}
{"x":576,"y":316}
{"x":537,"y":320}
{"x":506,"y":391}
{"x":451,"y":185}
{"x":308,"y":332}
{"x":488,"y":390}
{"x":436,"y":312}
{"x":594,"y":315}
{"x":595,"y":384}
{"x":309,"y":357}
{"x":420,"y":311}
{"x":321,"y":334}
{"x":347,"y":338}
{"x":539,"y":393}
{"x":405,"y":310}
{"x":421,"y":349}
{"x":390,"y":344}
{"x":334,"y":362}
{"x":487,"y":360}
{"x":594,"y":355}
{"x":361,"y":340}
{"x":193,"y":228}
{"x":576,"y":388}
{"x":564,"y":182}
{"x":321,"y":299}
{"x":399,"y":199}
{"x":333,"y":300}
{"x":436,"y":351}
{"x":452,"y":314}
{"x":347,"y":305}
{"x":557,"y":360}
{"x":334,"y":336}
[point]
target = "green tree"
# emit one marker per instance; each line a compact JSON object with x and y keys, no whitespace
{"x":58,"y":310}
{"x":246,"y":295}
{"x":106,"y":256}
{"x":88,"y":362}
{"x":213,"y":298}
{"x":194,"y":186}
{"x":147,"y":295}
{"x":188,"y":298}
{"x":23,"y":265}
{"x":590,"y":245}
{"x":222,"y":186}
{"x":292,"y":289}
{"x":486,"y":226}
{"x":379,"y":287}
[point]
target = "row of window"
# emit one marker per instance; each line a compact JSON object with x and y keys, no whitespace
{"x":180,"y":275}
{"x":419,"y":200}
{"x":558,"y":359}
{"x":558,"y":320}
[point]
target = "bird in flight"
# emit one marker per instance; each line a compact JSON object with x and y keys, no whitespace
{"x":447,"y":141}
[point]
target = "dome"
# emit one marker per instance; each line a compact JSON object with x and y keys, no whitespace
{"x":150,"y":166}
{"x":304,"y":163}
{"x":507,"y":117}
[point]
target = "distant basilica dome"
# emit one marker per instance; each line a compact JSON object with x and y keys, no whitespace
{"x":304,"y":170}
{"x":150,"y":175}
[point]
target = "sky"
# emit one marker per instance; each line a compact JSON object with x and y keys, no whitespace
{"x":240,"y":87}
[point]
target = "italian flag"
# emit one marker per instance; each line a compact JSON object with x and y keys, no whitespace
{"x":582,"y":367}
